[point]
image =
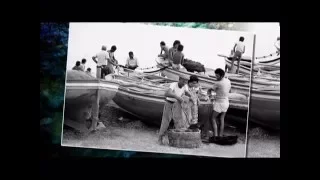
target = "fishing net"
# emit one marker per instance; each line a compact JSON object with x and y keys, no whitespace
{"x":193,"y":66}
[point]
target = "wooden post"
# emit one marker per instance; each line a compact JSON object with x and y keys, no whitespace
{"x":95,"y":110}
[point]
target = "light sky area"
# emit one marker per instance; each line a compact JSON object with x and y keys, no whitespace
{"x":202,"y":45}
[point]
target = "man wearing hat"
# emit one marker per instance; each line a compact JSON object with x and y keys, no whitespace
{"x":102,"y":57}
{"x":172,"y":108}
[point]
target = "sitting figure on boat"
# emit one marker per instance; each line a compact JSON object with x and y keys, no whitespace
{"x":173,"y":107}
{"x":238,"y":51}
{"x":164,"y":53}
{"x":173,"y":50}
{"x":220,"y":104}
{"x":77,"y":66}
{"x":178,"y":58}
{"x":89,"y":71}
{"x":132,"y":62}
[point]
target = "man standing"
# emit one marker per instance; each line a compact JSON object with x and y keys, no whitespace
{"x":83,"y":64}
{"x":220,"y":104}
{"x":132,"y":62}
{"x":112,"y":60}
{"x":238,"y":49}
{"x":178,"y":58}
{"x":102,"y":57}
{"x":172,"y":108}
{"x":173,"y":50}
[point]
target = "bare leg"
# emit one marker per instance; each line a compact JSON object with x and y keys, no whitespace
{"x":233,"y":59}
{"x":238,"y":64}
{"x":214,"y":122}
{"x":223,"y":114}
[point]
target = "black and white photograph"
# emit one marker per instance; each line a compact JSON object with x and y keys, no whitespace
{"x":174,"y":90}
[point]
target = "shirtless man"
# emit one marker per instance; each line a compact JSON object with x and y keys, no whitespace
{"x":178,"y":58}
{"x":164,"y":49}
{"x":220,"y":104}
{"x":173,"y":50}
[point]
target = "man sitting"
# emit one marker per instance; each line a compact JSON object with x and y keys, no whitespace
{"x":77,"y":66}
{"x":164,"y":49}
{"x":173,"y":50}
{"x":178,"y":58}
{"x":89,"y":71}
{"x":132,"y":62}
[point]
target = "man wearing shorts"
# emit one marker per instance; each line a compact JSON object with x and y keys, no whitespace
{"x":221,"y":103}
{"x":238,"y":49}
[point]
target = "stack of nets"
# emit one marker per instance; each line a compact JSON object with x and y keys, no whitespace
{"x":184,"y":139}
{"x":193,"y":66}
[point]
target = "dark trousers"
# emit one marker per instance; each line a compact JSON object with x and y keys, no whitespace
{"x":132,"y":67}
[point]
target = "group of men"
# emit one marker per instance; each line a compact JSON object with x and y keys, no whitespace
{"x":174,"y":55}
{"x":187,"y":90}
{"x":106,"y":61}
{"x":81,"y":66}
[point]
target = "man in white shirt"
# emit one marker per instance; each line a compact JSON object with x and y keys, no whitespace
{"x":102,"y":57}
{"x":238,"y":49}
{"x":132,"y":62}
{"x":172,"y":108}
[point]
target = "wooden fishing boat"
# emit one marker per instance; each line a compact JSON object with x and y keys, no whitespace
{"x":265,"y":109}
{"x":83,"y":97}
{"x":271,"y":59}
{"x":148,"y":105}
{"x":238,"y":85}
{"x":262,"y":97}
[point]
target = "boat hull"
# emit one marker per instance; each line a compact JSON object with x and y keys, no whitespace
{"x":149,"y":107}
{"x":265,"y":111}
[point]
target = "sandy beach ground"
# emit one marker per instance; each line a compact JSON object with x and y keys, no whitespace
{"x":263,"y":143}
{"x":132,"y":134}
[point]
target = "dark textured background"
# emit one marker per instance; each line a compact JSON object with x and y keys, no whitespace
{"x":53,"y":58}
